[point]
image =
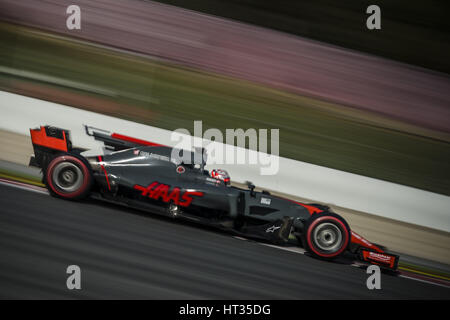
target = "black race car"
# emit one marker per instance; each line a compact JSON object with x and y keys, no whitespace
{"x":144,"y":175}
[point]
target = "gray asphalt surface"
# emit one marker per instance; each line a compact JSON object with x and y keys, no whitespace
{"x":125,"y":253}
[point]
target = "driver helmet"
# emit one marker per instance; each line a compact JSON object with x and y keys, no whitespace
{"x":221,"y":174}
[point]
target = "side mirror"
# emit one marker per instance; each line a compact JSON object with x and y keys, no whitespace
{"x":251,"y":186}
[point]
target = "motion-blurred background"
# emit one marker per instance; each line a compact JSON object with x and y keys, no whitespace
{"x":371,"y":102}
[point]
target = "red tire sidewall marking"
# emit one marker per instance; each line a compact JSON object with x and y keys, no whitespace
{"x":83,"y":167}
{"x":311,"y":228}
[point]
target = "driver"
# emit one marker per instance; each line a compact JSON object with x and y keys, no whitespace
{"x":222,"y":175}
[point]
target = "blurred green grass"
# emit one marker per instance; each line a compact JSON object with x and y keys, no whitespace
{"x":168,"y":96}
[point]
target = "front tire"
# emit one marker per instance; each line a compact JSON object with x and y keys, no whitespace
{"x":69,"y":177}
{"x":326,"y":235}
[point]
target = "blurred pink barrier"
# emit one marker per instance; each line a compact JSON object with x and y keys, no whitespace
{"x":280,"y":60}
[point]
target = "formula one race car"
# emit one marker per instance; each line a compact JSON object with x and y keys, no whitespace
{"x":146,"y":176}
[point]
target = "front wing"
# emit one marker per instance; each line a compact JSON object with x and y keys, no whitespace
{"x":370,"y":253}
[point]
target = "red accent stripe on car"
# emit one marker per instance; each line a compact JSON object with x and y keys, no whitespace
{"x":100,"y":159}
{"x":106,"y":176}
{"x":134,"y":140}
{"x":361,"y":241}
{"x":311,"y":209}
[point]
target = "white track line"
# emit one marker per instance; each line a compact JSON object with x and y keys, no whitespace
{"x":425,"y":281}
{"x":23,"y":186}
{"x":240,"y":238}
{"x":295,"y":250}
{"x":355,"y":265}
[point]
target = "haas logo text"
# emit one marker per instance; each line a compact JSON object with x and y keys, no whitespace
{"x":162,"y":191}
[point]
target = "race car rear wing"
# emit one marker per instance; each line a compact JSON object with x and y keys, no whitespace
{"x":115,"y":141}
{"x":47,"y":141}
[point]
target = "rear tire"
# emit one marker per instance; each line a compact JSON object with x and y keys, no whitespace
{"x":68,"y":177}
{"x":326,"y":235}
